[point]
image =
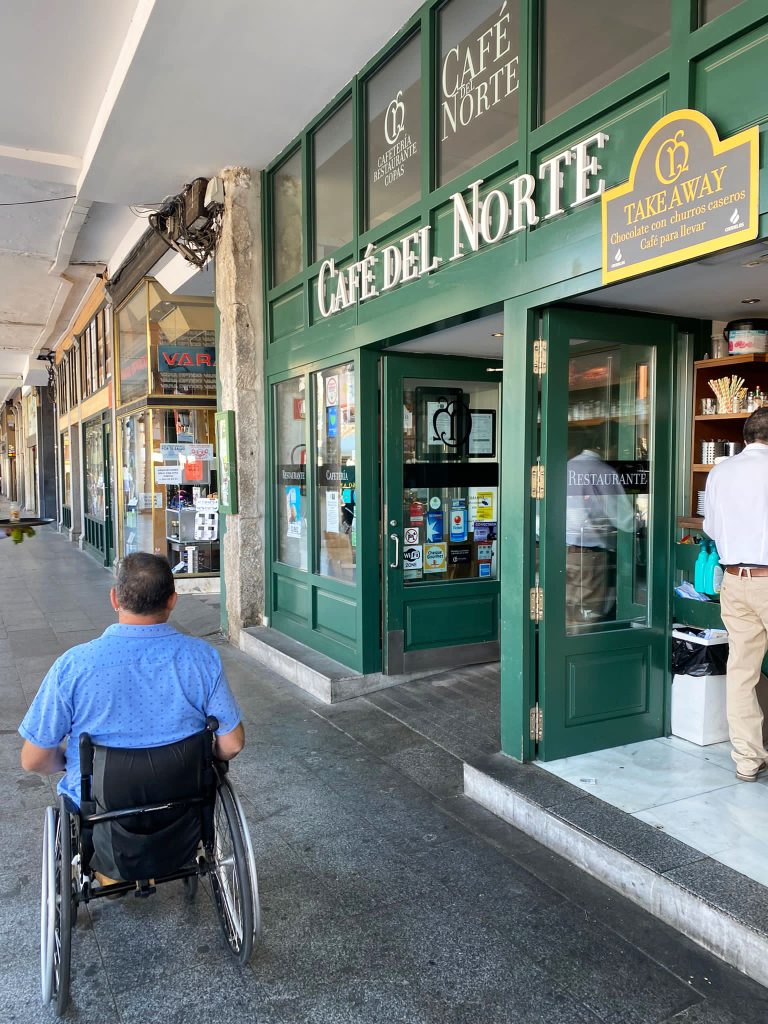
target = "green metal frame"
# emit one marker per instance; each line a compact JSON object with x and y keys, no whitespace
{"x":98,"y":537}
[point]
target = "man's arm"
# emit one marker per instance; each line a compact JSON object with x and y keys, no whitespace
{"x":226,"y":746}
{"x":43,"y":760}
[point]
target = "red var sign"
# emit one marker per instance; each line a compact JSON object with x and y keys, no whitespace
{"x":183,"y":359}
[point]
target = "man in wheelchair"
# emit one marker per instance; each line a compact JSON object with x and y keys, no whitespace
{"x":150,"y":723}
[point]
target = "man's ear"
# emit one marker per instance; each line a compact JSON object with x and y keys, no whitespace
{"x":172,"y":601}
{"x":113,"y":599}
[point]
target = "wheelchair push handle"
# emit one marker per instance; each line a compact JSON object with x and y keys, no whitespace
{"x":86,"y":754}
{"x":211,"y":723}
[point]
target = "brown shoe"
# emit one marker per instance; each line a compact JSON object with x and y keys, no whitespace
{"x":104,"y":881}
{"x":751,"y":776}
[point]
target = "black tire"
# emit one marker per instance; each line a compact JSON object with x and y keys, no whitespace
{"x":230,"y":877}
{"x":190,"y":887}
{"x":62,"y":954}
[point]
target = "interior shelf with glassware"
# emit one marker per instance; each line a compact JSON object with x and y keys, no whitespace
{"x":718,"y":422}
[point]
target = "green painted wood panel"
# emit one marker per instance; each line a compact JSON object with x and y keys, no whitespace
{"x":335,"y":616}
{"x":729,"y":82}
{"x":291,"y":598}
{"x":287,"y":314}
{"x":450,"y":619}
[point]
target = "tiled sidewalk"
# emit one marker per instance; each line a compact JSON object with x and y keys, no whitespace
{"x":387,"y":896}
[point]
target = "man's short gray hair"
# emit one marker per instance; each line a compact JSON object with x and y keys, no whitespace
{"x":144,"y":584}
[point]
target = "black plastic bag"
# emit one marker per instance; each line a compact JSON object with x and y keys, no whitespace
{"x":692,"y":659}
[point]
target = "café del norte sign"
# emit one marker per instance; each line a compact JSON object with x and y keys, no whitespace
{"x":688,"y":194}
{"x":477,"y":219}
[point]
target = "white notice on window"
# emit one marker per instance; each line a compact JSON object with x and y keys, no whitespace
{"x":168,"y":475}
{"x":332,"y":512}
{"x":481,"y":439}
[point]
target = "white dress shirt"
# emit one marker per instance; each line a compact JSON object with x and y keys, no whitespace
{"x":736,"y":507}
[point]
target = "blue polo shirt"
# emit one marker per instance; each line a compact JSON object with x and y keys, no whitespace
{"x":135,"y":686}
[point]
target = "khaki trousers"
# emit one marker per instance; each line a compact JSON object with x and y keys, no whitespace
{"x":744,"y":606}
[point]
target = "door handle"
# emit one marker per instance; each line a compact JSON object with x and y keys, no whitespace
{"x":396,"y":538}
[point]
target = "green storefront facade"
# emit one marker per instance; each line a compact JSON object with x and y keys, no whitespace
{"x":431,"y":381}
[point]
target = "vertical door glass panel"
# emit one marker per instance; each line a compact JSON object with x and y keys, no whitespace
{"x":132,"y":339}
{"x":291,"y":498}
{"x":335,"y":452}
{"x":450,"y":481}
{"x":393,"y":170}
{"x":66,"y":466}
{"x":478,"y":82}
{"x":287,"y":251}
{"x":709,"y":9}
{"x":333,"y":192}
{"x":608,"y":500}
{"x":585,"y":47}
{"x":94,"y":469}
{"x":185,"y":507}
{"x":136,"y":483}
{"x":182,"y":344}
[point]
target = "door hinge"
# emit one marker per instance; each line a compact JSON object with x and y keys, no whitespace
{"x":537,"y":482}
{"x":537,"y":724}
{"x":537,"y":604}
{"x":540,"y":357}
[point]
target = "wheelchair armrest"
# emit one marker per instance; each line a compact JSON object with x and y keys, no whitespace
{"x":86,"y":766}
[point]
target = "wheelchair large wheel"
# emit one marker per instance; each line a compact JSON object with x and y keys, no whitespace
{"x":56,"y":907}
{"x":251,"y":860}
{"x":231,"y":876}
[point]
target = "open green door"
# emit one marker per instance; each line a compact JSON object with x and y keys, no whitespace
{"x":605,"y":526}
{"x":440,"y":444}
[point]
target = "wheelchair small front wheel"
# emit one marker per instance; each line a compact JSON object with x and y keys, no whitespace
{"x":56,"y":907}
{"x":231,"y":877}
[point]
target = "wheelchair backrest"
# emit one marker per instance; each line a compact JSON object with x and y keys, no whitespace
{"x":159,"y":842}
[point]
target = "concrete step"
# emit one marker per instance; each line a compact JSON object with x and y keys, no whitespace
{"x":719,"y":908}
{"x":324,"y":678}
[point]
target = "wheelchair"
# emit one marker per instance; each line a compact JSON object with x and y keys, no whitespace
{"x":147,"y":816}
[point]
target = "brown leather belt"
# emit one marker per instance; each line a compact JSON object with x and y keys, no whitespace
{"x":747,"y":570}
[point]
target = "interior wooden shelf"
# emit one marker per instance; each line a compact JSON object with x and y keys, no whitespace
{"x":699,"y":467}
{"x":691,"y":522}
{"x":753,"y":357}
{"x":724,"y":416}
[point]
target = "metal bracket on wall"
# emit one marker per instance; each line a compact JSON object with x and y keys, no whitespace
{"x":537,"y":724}
{"x":537,"y":604}
{"x":540,"y":357}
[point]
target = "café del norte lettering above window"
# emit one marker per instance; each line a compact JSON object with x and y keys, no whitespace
{"x":477,"y":219}
{"x":688,"y":194}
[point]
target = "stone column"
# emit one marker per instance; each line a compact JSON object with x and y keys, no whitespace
{"x":240,"y":300}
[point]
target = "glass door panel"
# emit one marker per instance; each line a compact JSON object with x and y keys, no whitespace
{"x":440,"y":443}
{"x":604,"y":531}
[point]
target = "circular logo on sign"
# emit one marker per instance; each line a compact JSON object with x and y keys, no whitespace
{"x":412,"y":555}
{"x":394,"y":122}
{"x":332,"y":390}
{"x":672,"y":158}
{"x":435,"y":502}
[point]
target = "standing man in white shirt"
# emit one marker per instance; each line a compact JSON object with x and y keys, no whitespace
{"x":736,"y":518}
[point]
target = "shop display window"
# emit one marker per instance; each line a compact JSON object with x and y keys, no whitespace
{"x":93,"y":452}
{"x":478,"y":82}
{"x":136,"y":484}
{"x":710,"y":9}
{"x":393,"y":137}
{"x":292,"y":511}
{"x":182,"y":341}
{"x":66,"y":470}
{"x":618,"y":37}
{"x":132,"y":346}
{"x":450,"y":481}
{"x":333,"y":165}
{"x":336,"y":522}
{"x":170,"y":500}
{"x":288,"y":252}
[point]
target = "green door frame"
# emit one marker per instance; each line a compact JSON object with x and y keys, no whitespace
{"x":397,"y":656}
{"x":577,"y":673}
{"x":523,"y":316}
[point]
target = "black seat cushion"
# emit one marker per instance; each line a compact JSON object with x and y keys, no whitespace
{"x":147,"y":845}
